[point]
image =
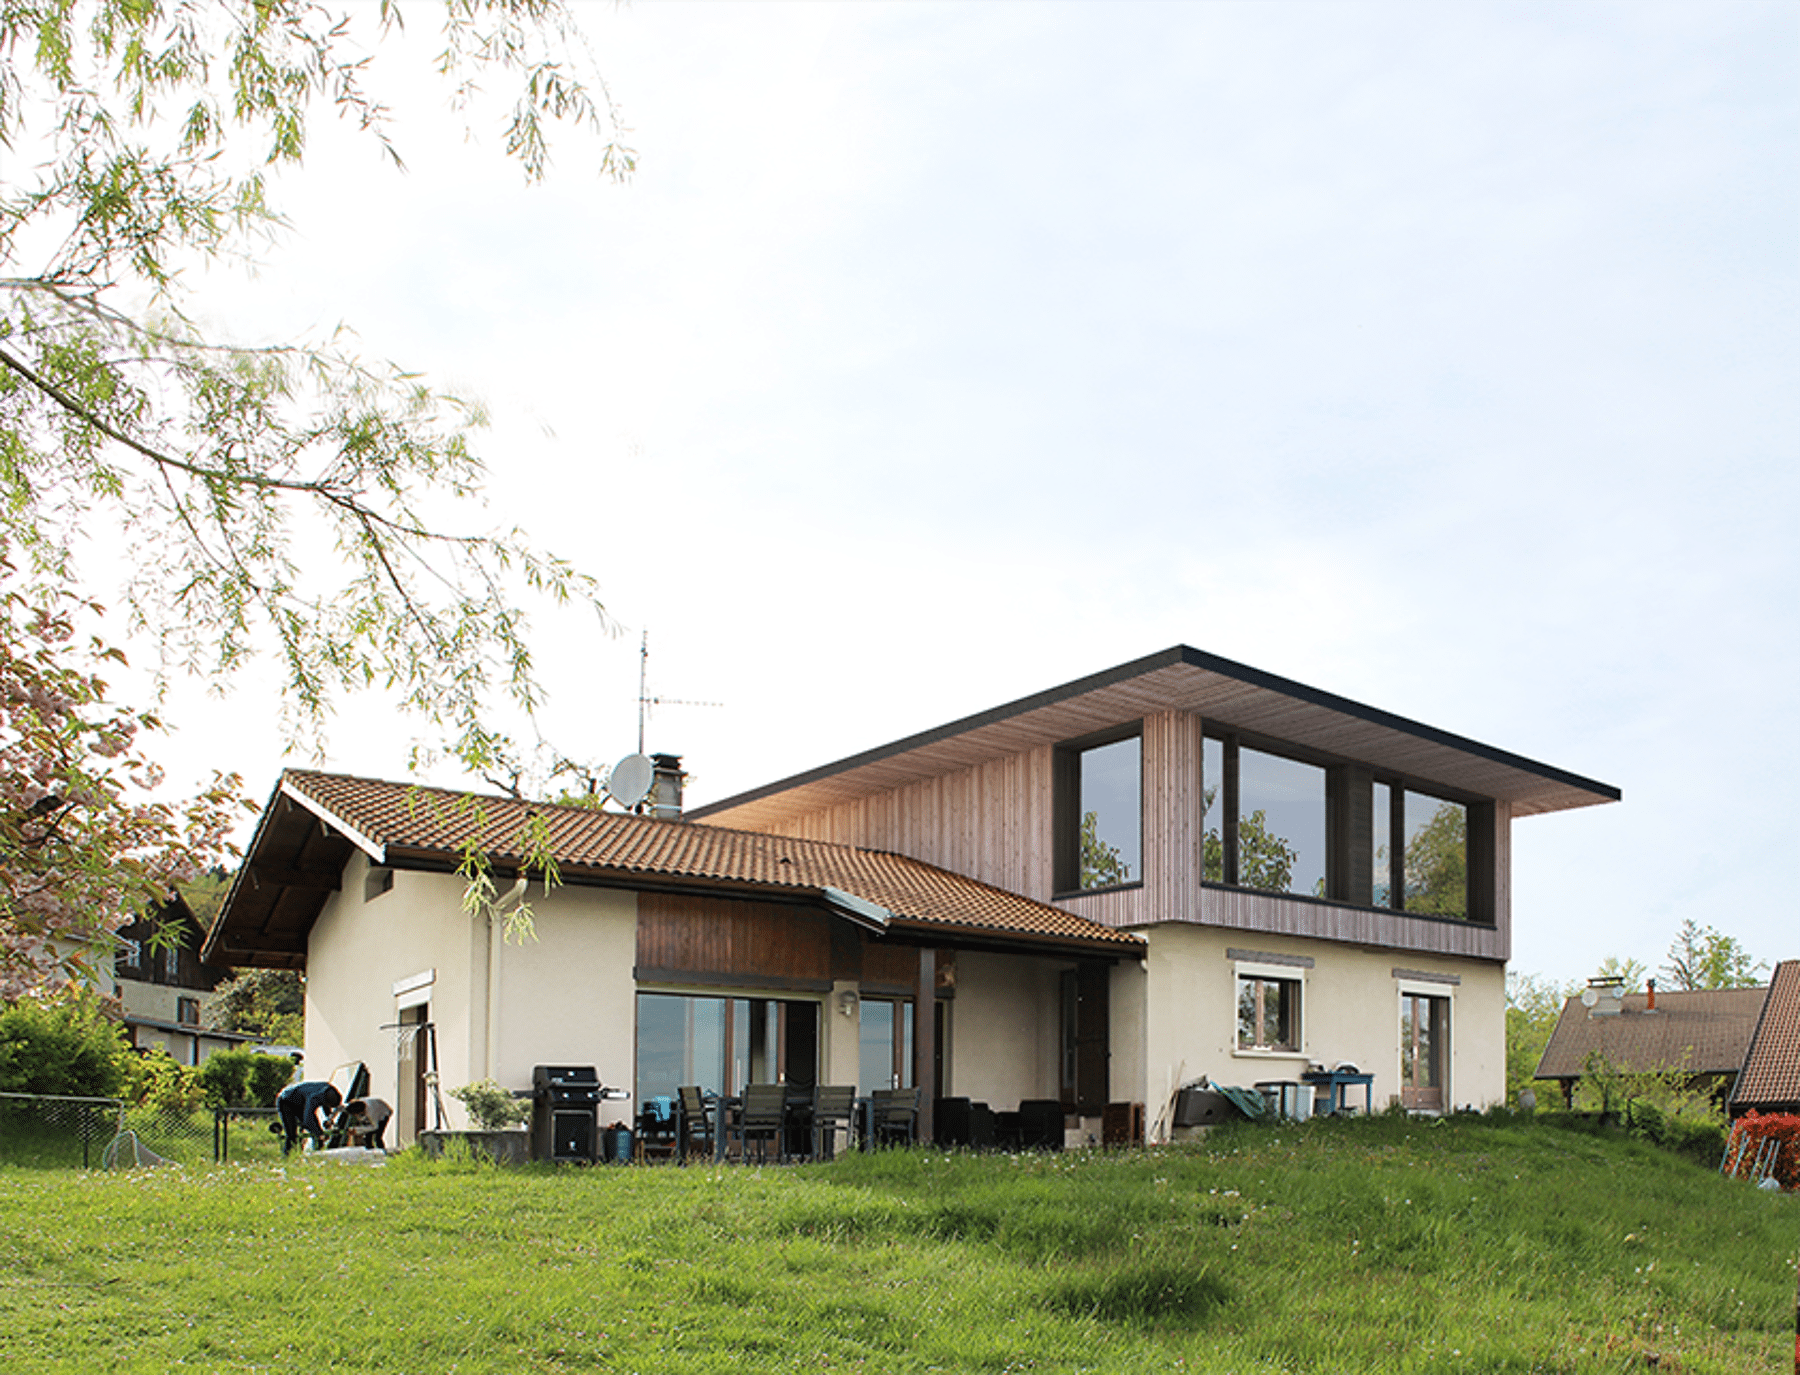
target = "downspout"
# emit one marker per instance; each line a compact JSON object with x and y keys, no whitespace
{"x":496,"y":943}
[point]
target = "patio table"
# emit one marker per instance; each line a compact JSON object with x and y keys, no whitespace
{"x":1335,"y":1082}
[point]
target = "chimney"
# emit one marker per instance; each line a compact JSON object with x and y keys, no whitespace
{"x":665,"y":787}
{"x":1650,"y":987}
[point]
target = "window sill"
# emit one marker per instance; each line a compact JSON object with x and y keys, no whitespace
{"x":1262,"y":1053}
{"x":1095,"y":892}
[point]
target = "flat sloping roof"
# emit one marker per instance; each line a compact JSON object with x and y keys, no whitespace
{"x":1177,"y":679}
{"x":314,"y":821}
{"x":1706,"y":1031}
{"x":1771,"y":1076}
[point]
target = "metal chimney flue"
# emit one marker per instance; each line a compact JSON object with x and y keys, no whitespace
{"x":1650,"y":988}
{"x":665,"y":788}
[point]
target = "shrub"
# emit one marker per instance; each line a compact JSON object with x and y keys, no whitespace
{"x":242,"y":1078}
{"x":491,"y":1107}
{"x":1752,"y":1130}
{"x":166,"y":1085}
{"x":63,"y":1042}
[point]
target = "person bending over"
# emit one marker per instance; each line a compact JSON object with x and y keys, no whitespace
{"x":299,"y":1106}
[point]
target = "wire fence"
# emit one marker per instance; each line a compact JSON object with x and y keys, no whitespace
{"x":50,"y":1131}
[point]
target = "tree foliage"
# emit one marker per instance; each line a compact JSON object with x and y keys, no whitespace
{"x":1436,"y":864}
{"x":1102,"y":865}
{"x":65,"y":1041}
{"x":1533,"y":1004}
{"x":84,"y":843}
{"x":140,"y":138}
{"x":266,"y":1003}
{"x":1701,"y":957}
{"x":1265,"y":860}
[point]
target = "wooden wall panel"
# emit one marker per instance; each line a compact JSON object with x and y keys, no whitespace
{"x":1358,"y":926}
{"x":730,"y":942}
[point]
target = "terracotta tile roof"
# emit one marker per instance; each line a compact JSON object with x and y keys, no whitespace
{"x":407,"y":820}
{"x":1771,"y":1075}
{"x":1705,"y":1031}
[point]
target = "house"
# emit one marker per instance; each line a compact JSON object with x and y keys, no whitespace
{"x":163,"y":986}
{"x":1703,"y":1033}
{"x":1179,"y":867}
{"x":1770,"y":1081}
{"x":669,"y":954}
{"x":1316,"y":881}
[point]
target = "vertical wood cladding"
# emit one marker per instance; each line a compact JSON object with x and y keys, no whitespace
{"x":729,"y":940}
{"x":993,"y":822}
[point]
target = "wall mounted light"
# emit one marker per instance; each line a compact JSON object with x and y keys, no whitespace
{"x":846,"y":1002}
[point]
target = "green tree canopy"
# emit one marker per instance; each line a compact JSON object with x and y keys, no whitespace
{"x":139,"y":140}
{"x":1701,"y":957}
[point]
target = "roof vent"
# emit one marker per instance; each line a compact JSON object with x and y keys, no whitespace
{"x":665,"y":787}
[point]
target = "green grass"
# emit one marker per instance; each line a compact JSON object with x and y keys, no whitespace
{"x":1373,"y":1246}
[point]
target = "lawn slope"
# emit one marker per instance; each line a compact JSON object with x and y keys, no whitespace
{"x":1375,"y":1246}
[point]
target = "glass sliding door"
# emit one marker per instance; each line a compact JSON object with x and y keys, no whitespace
{"x":885,"y":1045}
{"x":722,"y":1044}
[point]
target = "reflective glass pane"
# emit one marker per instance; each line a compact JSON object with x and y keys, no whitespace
{"x":1437,"y":856}
{"x":1212,"y":820}
{"x":1111,"y":803}
{"x":680,"y":1041}
{"x":1281,"y":824}
{"x":1246,"y":1012}
{"x":1383,"y":807}
{"x":875,"y":1049}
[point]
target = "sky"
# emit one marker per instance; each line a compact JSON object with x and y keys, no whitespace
{"x":1441,"y":357}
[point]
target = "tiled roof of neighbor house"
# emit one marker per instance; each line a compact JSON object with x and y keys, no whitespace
{"x":1771,"y":1074}
{"x":401,"y":823}
{"x":1705,"y":1031}
{"x":1180,"y":678}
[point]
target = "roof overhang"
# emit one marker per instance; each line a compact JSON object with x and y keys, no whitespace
{"x":1223,"y":693}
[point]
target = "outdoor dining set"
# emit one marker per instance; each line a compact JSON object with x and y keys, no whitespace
{"x":774,"y":1122}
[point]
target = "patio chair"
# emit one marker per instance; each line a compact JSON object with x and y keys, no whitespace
{"x":761,"y":1119}
{"x":895,"y":1116}
{"x":832,"y":1108}
{"x":696,"y":1123}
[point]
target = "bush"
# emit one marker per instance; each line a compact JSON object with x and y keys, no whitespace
{"x":166,"y":1085}
{"x":491,"y":1107}
{"x":243,"y":1079}
{"x":64,"y":1042}
{"x":1752,"y":1130}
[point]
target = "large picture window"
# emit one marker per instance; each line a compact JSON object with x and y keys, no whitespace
{"x":723,"y":1044}
{"x":1264,"y":825}
{"x":1100,"y":809}
{"x":1428,"y":870}
{"x":1280,"y":824}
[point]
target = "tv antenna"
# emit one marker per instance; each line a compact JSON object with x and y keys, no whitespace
{"x":646,"y":701}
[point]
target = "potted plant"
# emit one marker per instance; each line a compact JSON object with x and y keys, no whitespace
{"x":497,"y":1116}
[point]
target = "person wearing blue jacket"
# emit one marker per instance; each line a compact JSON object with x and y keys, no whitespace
{"x":299,"y":1106}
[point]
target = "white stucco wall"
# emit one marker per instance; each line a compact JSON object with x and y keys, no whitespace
{"x":1006,"y":1030}
{"x":565,"y":998}
{"x":1350,"y":1011}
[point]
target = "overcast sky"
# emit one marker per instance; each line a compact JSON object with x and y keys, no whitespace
{"x":1443,"y":357}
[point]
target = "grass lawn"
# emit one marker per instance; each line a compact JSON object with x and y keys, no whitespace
{"x":1380,"y":1245}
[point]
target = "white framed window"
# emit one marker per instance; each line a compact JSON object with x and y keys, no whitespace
{"x":1425,"y":1021}
{"x":1270,"y":1008}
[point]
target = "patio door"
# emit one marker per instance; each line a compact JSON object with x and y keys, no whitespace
{"x":1424,"y":1051}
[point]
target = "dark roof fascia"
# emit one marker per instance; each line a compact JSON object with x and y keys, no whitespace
{"x":1178,"y":655}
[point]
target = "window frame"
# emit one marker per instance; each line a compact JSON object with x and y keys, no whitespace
{"x":1263,"y":974}
{"x":1443,"y":1037}
{"x":1066,"y":810}
{"x":1349,"y":829}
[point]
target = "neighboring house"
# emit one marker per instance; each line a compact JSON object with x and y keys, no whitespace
{"x":670,"y":954}
{"x":1179,"y":867}
{"x":164,"y":987}
{"x":1703,"y":1033}
{"x":1770,"y":1081}
{"x":1316,"y":881}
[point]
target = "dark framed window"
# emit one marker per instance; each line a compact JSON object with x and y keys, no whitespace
{"x":1266,"y":819}
{"x":1421,"y":848}
{"x":187,"y":1011}
{"x":884,"y":1045}
{"x":723,"y":1044}
{"x":1099,"y":813}
{"x":1278,"y":822}
{"x":1268,"y":1012}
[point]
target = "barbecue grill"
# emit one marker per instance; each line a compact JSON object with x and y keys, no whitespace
{"x":565,"y":1112}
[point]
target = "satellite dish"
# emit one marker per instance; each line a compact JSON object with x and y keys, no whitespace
{"x":1589,"y":996}
{"x":629,"y":781}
